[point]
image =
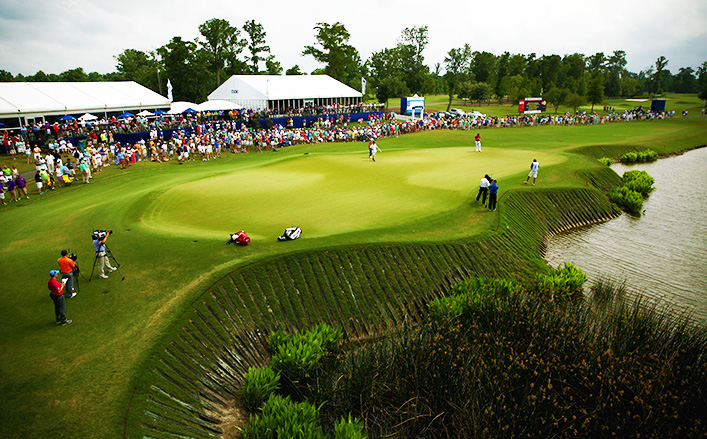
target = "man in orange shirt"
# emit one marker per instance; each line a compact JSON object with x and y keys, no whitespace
{"x":66,"y":267}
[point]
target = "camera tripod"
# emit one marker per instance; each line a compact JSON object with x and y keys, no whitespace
{"x":108,"y":255}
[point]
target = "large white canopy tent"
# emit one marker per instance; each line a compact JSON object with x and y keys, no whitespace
{"x":32,"y":100}
{"x":275,"y":92}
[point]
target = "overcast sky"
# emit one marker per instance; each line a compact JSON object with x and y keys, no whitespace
{"x":57,"y":35}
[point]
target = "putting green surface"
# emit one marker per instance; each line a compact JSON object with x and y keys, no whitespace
{"x":330,"y":194}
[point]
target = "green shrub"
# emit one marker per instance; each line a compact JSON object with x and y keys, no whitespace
{"x":349,"y":429}
{"x":259,"y":383}
{"x":282,"y":418}
{"x":562,"y":283}
{"x":628,"y":199}
{"x":629,"y":157}
{"x":647,"y":156}
{"x":606,"y":161}
{"x":296,"y":355}
{"x":639,"y":181}
{"x":474,"y":298}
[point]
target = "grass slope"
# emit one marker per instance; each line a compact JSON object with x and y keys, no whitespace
{"x":76,"y":381}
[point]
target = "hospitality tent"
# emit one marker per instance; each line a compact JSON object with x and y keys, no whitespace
{"x":179,"y":107}
{"x":37,"y":100}
{"x":276,"y":93}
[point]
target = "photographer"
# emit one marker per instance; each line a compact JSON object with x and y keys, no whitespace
{"x":99,"y":244}
{"x":66,"y":268}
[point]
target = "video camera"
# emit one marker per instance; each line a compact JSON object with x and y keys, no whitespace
{"x":100,"y":234}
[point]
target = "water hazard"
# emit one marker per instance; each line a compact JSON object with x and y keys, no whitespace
{"x":663,"y":253}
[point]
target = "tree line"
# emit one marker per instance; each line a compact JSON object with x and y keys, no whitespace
{"x":195,"y":68}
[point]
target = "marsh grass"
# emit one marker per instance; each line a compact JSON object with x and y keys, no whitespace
{"x":528,"y":367}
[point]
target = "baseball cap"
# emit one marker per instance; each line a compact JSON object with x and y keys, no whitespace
{"x":53,"y":272}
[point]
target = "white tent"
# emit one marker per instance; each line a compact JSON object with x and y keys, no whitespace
{"x":218,"y":106}
{"x":291,"y":91}
{"x":179,"y":107}
{"x":39,"y":99}
{"x":144,"y":113}
{"x":88,"y":116}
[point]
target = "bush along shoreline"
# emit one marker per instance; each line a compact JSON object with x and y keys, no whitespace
{"x":637,"y":185}
{"x":497,"y":358}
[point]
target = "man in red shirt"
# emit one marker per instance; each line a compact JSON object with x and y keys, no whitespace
{"x":66,"y":267}
{"x":56,"y":292}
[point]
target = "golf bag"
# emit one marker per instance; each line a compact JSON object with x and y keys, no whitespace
{"x":240,"y":238}
{"x":291,"y":233}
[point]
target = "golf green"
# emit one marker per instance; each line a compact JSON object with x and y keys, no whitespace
{"x":329,"y":194}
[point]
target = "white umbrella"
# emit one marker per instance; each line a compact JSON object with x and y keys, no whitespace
{"x":88,"y":116}
{"x":180,"y":106}
{"x":145,"y":113}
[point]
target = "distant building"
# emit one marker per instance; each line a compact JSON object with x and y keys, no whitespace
{"x":258,"y":92}
{"x":34,"y":101}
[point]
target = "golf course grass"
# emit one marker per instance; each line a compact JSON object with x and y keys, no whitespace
{"x":413,"y":207}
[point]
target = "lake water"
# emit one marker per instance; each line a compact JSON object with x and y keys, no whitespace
{"x":661,"y":254}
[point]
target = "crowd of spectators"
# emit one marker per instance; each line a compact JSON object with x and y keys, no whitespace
{"x":206,"y":136}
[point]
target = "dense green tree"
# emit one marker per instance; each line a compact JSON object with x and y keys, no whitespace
{"x":685,"y":81}
{"x":659,"y":74}
{"x":550,"y":67}
{"x":141,"y":67}
{"x":6,"y":76}
{"x":186,"y":68}
{"x":483,"y":65}
{"x":74,"y":75}
{"x":574,"y":101}
{"x":615,"y":70}
{"x":411,"y":43}
{"x":702,"y":82}
{"x":477,"y":92}
{"x":595,"y":89}
{"x":341,"y":60}
{"x":294,"y":70}
{"x":272,"y":66}
{"x":457,"y":64}
{"x":629,"y":87}
{"x":255,"y":45}
{"x":596,"y":63}
{"x":386,"y":75}
{"x":556,"y":97}
{"x":222,"y":41}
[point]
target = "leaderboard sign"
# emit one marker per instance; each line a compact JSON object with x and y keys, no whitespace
{"x":413,"y":105}
{"x":531,"y":105}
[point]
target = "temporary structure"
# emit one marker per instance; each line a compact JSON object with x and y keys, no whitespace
{"x":279,"y":92}
{"x":217,"y":105}
{"x":31,"y":100}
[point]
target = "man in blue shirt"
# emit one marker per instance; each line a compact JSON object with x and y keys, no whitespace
{"x":493,"y":191}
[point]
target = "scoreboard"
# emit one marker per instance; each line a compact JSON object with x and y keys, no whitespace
{"x":531,"y":105}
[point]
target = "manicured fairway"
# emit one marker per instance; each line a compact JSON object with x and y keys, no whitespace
{"x":171,"y":224}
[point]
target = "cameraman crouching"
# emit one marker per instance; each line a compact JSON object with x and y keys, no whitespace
{"x":66,"y":267}
{"x":99,"y":244}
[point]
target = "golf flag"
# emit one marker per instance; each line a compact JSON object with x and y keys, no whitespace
{"x":363,"y":85}
{"x":169,"y":90}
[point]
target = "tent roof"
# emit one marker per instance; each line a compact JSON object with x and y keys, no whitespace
{"x":52,"y":98}
{"x":274,"y":87}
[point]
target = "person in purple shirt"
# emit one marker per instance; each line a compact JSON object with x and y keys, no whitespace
{"x":11,"y":189}
{"x":21,"y":185}
{"x":493,"y":192}
{"x":2,"y":192}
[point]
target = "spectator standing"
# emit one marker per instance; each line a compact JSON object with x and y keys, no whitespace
{"x":483,"y":189}
{"x":493,"y":192}
{"x":56,"y":292}
{"x":21,"y":185}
